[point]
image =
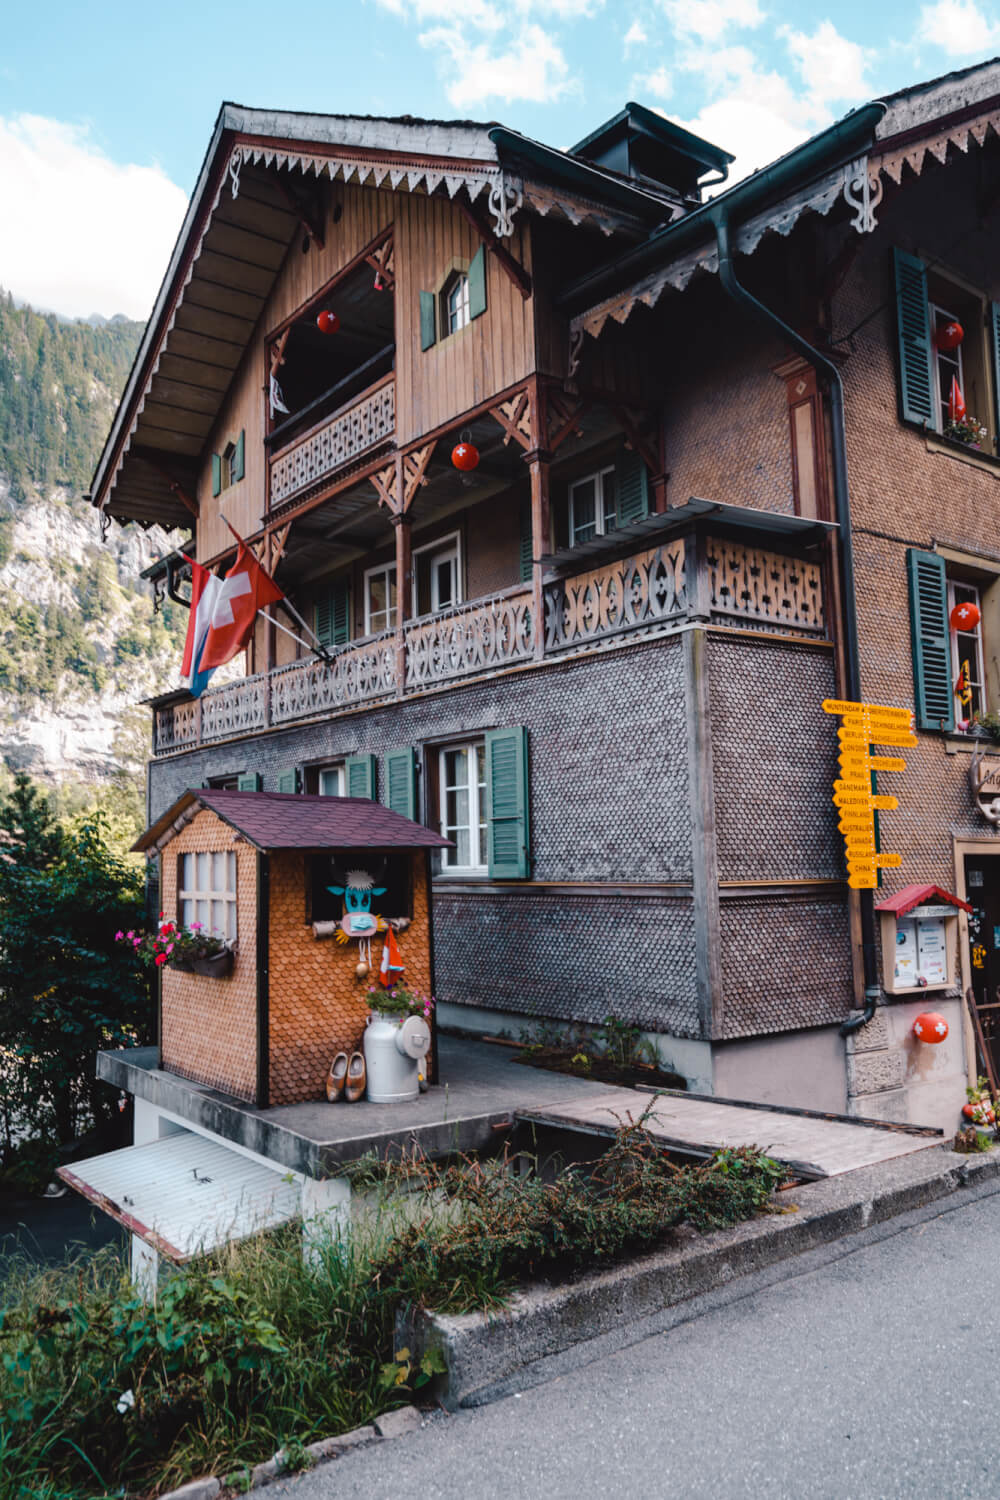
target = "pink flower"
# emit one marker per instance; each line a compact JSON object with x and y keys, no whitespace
{"x":170,"y":947}
{"x":196,"y":926}
{"x":137,"y":942}
{"x":119,"y":936}
{"x":130,"y":935}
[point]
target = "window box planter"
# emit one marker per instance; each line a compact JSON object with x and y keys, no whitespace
{"x":210,"y":965}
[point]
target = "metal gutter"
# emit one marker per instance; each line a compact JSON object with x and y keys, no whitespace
{"x":840,"y":143}
{"x":591,"y":181}
{"x":719,"y":215}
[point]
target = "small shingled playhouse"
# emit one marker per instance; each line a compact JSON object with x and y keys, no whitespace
{"x":263,"y":869}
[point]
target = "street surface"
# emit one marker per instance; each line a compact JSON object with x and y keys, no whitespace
{"x":864,"y":1369}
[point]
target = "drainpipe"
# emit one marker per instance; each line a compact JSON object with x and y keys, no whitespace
{"x":845,"y":552}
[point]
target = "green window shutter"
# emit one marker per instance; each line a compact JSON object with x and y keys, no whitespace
{"x":238,"y":461}
{"x":216,"y":474}
{"x":913,"y":329}
{"x":994,"y":316}
{"x":477,"y":283}
{"x":359,"y":776}
{"x":507,"y":804}
{"x":333,"y":615}
{"x":288,"y":781}
{"x":428,"y":320}
{"x":527,"y":544}
{"x":400,"y":790}
{"x":932,"y":684}
{"x":631,"y":487}
{"x":250,"y":782}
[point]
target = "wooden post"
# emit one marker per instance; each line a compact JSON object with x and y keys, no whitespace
{"x":404,"y":591}
{"x":541,"y":538}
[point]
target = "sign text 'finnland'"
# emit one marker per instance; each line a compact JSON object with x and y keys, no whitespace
{"x":861,"y":726}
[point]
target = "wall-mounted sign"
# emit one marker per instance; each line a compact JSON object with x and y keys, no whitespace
{"x":863,"y":725}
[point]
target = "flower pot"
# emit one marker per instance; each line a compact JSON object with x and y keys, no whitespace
{"x":214,"y":965}
{"x":182,"y":965}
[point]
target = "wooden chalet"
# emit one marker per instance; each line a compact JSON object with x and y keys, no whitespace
{"x":716,"y":482}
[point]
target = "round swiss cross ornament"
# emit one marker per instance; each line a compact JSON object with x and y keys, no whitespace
{"x":465,"y":456}
{"x":327,"y":322}
{"x":930,"y":1026}
{"x":965,"y":616}
{"x":950,"y":336}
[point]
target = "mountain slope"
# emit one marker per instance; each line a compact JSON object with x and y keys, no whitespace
{"x":79,"y":644}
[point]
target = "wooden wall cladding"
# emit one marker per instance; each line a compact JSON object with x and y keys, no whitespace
{"x":209,"y":1026}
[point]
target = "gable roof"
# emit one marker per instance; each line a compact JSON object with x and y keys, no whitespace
{"x":286,"y":820}
{"x":237,"y":231}
{"x":916,"y":895}
{"x":848,"y":161}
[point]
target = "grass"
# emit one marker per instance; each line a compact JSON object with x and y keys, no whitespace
{"x":258,"y":1348}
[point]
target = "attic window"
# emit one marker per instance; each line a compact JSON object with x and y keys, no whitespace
{"x":228,"y":465}
{"x":455,"y":302}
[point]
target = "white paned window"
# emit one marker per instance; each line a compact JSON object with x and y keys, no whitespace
{"x":947,"y":364}
{"x":436,"y":576}
{"x":206,"y":893}
{"x":463,"y":807}
{"x":456,"y":304}
{"x":331,"y":781}
{"x":967,"y":647}
{"x":380,"y":599}
{"x":592,"y":506}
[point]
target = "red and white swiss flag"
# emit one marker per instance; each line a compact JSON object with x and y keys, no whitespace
{"x":245,"y":589}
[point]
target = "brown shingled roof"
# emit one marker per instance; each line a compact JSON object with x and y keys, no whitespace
{"x":285,"y":820}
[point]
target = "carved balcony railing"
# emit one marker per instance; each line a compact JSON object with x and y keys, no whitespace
{"x":653,"y":592}
{"x":348,"y":433}
{"x":175,"y":726}
{"x":777,"y":592}
{"x":470,"y":638}
{"x":357,"y":674}
{"x":636,"y":595}
{"x":234,"y":708}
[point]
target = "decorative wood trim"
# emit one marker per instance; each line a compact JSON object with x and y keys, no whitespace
{"x":414,"y":473}
{"x":648,"y":449}
{"x":562,"y":416}
{"x":514,"y":416}
{"x":324,"y":291}
{"x":383,"y":262}
{"x":384,"y":481}
{"x":511,"y":267}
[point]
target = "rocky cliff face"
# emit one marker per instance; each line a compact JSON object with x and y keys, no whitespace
{"x":79,"y":643}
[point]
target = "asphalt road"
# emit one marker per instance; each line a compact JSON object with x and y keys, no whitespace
{"x":867,"y":1369}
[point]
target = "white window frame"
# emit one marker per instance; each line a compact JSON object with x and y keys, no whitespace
{"x":446,"y":547}
{"x":391,"y":611}
{"x":597,"y":477}
{"x":199,"y":894}
{"x":477,"y":808}
{"x":456,"y":303}
{"x":972,"y":593}
{"x":335,"y":773}
{"x":949,"y":359}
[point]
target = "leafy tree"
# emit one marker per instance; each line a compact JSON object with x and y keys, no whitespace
{"x":67,"y":987}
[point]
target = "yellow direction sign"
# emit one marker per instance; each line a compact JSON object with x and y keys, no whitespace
{"x":888,"y":861}
{"x":887,"y":763}
{"x":887,"y":802}
{"x":856,"y":784}
{"x":885,"y":711}
{"x":863,"y":725}
{"x":865,"y":882}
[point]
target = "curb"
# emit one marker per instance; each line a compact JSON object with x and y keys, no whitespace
{"x":482,"y":1351}
{"x":394,"y":1424}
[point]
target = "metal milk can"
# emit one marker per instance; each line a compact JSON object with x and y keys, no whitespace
{"x":393,"y":1047}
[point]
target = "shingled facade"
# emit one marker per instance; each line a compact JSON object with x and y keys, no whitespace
{"x":596,"y":660}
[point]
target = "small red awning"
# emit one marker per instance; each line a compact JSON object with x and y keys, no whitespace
{"x":917,"y":895}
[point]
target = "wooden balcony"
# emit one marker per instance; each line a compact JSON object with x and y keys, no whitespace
{"x":653,"y":592}
{"x":336,"y":440}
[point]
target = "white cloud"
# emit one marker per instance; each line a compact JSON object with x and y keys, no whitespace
{"x":81,"y":233}
{"x":532,"y":68}
{"x":756,"y":114}
{"x":831,"y":66}
{"x":459,"y":12}
{"x":709,"y":20}
{"x":659,"y":83}
{"x":958,"y":27}
{"x":635,"y":36}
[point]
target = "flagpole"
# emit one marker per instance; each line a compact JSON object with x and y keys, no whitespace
{"x":319,"y":647}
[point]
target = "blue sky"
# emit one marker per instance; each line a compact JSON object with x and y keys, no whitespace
{"x":106,"y":110}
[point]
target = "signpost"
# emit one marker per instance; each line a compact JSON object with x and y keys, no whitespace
{"x":863,"y":725}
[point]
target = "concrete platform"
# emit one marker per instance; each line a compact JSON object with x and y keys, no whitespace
{"x":481,"y":1092}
